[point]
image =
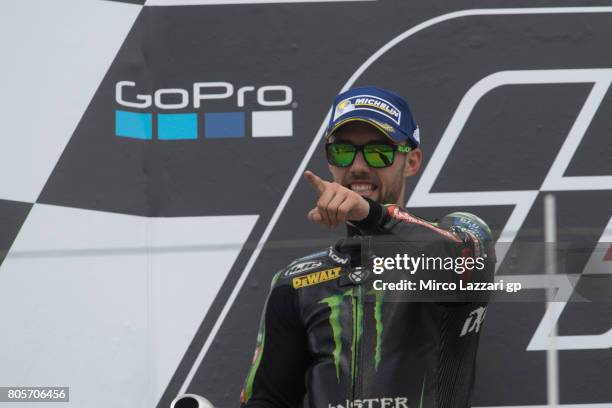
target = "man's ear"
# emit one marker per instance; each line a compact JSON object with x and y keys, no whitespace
{"x":413,"y":162}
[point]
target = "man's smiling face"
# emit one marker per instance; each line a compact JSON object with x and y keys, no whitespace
{"x":384,"y":185}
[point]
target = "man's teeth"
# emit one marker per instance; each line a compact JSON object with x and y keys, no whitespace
{"x":362,"y":187}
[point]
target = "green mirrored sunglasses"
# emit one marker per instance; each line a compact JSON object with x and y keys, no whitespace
{"x":376,"y":155}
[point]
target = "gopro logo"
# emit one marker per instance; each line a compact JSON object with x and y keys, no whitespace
{"x":212,"y":125}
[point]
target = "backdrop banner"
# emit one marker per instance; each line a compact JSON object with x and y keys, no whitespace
{"x":152,"y":181}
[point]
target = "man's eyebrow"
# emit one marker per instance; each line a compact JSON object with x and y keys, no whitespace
{"x":346,"y":140}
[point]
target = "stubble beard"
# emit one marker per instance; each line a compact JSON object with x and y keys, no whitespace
{"x":393,"y":194}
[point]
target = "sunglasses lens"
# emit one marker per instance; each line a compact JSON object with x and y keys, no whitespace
{"x":379,"y":155}
{"x":340,"y":155}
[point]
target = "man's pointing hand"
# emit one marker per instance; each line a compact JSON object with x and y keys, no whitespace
{"x":337,"y":204}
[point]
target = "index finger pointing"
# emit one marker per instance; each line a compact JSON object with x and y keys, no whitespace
{"x":315,"y":181}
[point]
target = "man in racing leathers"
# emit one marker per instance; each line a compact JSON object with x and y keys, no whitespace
{"x":327,"y":338}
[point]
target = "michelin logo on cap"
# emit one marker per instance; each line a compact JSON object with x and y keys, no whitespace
{"x":368,"y":102}
{"x":343,"y":107}
{"x":383,"y":109}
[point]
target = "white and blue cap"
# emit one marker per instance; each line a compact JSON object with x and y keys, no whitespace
{"x":383,"y":109}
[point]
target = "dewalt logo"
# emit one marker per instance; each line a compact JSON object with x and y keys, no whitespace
{"x":316,"y":277}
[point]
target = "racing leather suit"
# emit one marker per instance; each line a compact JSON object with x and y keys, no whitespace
{"x":327,"y":339}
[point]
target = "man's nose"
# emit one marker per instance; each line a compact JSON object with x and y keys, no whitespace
{"x":359,"y":164}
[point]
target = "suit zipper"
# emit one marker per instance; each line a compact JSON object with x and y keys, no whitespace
{"x":356,"y":346}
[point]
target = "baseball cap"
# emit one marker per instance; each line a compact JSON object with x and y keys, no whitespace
{"x":383,"y":109}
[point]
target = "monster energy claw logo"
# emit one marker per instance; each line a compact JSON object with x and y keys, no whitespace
{"x":334,"y":302}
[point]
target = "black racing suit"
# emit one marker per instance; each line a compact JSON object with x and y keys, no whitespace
{"x":328,"y":339}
